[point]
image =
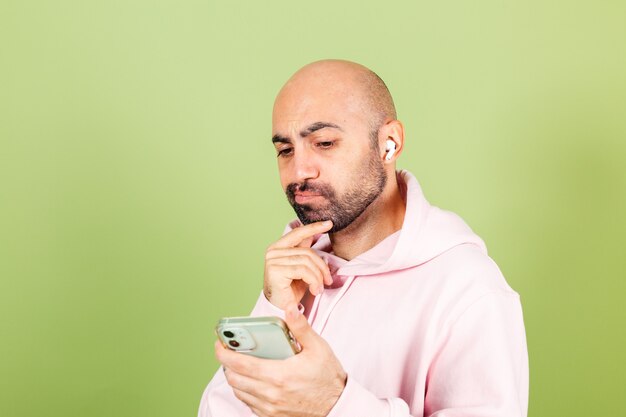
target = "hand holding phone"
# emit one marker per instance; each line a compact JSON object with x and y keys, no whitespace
{"x":263,"y":337}
{"x":312,"y":380}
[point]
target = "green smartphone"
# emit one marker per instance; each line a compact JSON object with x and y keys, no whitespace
{"x":263,"y":337}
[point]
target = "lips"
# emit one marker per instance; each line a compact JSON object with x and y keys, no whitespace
{"x":309,"y":195}
{"x":304,"y":197}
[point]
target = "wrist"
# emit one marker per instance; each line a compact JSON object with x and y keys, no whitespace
{"x":337,"y":389}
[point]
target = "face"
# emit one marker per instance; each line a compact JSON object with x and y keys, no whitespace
{"x":315,"y":201}
{"x":328,"y":167}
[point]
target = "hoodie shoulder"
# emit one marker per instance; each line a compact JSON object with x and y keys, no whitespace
{"x":469,"y":265}
{"x":459,"y":278}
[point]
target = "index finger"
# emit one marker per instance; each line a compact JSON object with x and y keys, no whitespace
{"x":297,"y":235}
{"x":242,"y":364}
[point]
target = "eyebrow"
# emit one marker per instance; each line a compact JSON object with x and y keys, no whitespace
{"x":307,"y":131}
{"x":280,"y":139}
{"x":317,"y":126}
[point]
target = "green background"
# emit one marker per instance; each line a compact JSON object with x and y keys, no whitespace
{"x":138,"y":185}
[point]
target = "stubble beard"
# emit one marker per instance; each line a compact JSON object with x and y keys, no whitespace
{"x":370,"y":180}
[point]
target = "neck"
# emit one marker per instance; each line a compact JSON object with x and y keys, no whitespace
{"x":381,"y":218}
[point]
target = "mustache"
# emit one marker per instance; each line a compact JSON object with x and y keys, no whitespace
{"x":322,"y":189}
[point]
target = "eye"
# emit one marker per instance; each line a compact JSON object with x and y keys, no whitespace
{"x":285,"y":152}
{"x":325,"y":144}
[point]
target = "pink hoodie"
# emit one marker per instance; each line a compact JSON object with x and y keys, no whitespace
{"x":424,"y":324}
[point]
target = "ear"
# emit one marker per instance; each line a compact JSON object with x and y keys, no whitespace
{"x":394,"y":131}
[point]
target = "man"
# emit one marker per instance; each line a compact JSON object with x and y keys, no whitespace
{"x":398,"y":308}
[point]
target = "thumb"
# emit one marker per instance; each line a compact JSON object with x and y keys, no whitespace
{"x":300,"y":327}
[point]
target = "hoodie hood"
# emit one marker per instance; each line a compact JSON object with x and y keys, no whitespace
{"x":427,"y":231}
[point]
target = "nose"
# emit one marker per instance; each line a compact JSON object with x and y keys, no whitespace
{"x":305,"y":165}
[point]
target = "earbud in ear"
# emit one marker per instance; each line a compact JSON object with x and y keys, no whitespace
{"x":391,"y":149}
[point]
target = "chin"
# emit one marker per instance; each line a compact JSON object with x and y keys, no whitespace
{"x":308,"y":215}
{"x":311,"y":219}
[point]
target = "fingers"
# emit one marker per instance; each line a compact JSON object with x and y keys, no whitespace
{"x":262,"y":398}
{"x":249,"y":370}
{"x":300,"y":327}
{"x":251,"y":401}
{"x":242,"y":382}
{"x":296,"y":256}
{"x":248,"y":390}
{"x":246,"y":384}
{"x":296,"y":272}
{"x":240,"y":363}
{"x":291,"y":266}
{"x":299,"y":234}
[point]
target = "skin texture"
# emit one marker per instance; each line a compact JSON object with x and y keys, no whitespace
{"x":331,"y":122}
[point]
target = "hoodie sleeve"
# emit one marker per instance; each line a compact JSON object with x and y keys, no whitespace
{"x":480,"y":369}
{"x":356,"y":400}
{"x":218,"y":400}
{"x":264,"y":308}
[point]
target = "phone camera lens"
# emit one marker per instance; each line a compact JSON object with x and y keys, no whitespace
{"x":233,"y":343}
{"x":229,"y":334}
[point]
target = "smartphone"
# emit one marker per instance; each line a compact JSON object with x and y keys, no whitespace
{"x":263,"y":337}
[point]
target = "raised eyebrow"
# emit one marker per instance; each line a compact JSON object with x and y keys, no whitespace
{"x":317,"y":126}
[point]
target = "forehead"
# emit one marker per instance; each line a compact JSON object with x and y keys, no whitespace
{"x":297,"y":107}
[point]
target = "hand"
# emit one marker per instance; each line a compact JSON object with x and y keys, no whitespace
{"x":305,"y":385}
{"x":292,"y":267}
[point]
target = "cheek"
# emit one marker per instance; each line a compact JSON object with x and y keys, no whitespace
{"x":344,"y":175}
{"x":285,"y":178}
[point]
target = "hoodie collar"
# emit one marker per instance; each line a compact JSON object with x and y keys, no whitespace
{"x":427,"y":231}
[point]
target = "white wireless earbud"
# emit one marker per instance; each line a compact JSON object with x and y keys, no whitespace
{"x":391,"y":149}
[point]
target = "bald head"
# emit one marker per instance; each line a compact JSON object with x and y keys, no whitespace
{"x":347,"y":84}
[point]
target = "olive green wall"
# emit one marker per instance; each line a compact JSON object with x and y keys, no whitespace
{"x":138,"y":185}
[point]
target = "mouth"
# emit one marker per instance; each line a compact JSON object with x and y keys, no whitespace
{"x":306,"y":197}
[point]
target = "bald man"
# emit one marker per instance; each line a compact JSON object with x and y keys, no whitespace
{"x":396,"y":304}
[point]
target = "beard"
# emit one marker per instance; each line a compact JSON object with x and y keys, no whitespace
{"x":370,"y":180}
